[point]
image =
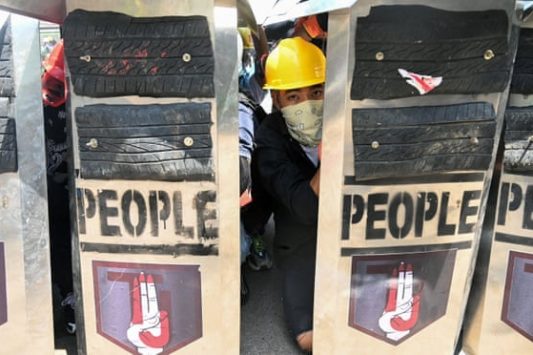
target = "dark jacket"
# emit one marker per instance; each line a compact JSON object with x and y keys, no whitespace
{"x":285,"y":172}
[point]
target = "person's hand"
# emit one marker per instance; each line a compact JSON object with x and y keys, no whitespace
{"x":149,"y":329}
{"x":401,"y":312}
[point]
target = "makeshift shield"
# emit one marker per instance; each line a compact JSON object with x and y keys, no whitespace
{"x":499,"y":318}
{"x":153,"y":117}
{"x":414,"y":104}
{"x":25,"y":285}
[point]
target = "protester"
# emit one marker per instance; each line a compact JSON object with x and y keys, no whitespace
{"x":55,"y":125}
{"x":288,"y":165}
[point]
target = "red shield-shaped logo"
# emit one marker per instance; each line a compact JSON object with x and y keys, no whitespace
{"x":517,"y":300}
{"x":3,"y":294}
{"x":395,"y":296}
{"x":148,"y":308}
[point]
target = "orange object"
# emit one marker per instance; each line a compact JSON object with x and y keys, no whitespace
{"x":246,"y":197}
{"x":313,"y":28}
{"x":53,"y":80}
{"x":54,"y":64}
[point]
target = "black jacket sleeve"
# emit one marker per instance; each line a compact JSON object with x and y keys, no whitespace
{"x":285,"y":180}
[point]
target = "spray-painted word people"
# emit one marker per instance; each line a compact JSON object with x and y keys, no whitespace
{"x":152,"y":213}
{"x":413,"y":214}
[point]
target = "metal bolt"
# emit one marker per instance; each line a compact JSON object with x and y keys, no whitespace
{"x":474,"y":140}
{"x":375,"y":145}
{"x":86,"y":58}
{"x":188,"y":141}
{"x":93,"y":143}
{"x":186,"y":57}
{"x":380,"y":56}
{"x":488,"y":55}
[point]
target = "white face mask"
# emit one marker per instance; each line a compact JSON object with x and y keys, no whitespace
{"x":304,"y":121}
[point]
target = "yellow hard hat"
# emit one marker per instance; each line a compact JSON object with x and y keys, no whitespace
{"x":293,"y":64}
{"x":246,"y":35}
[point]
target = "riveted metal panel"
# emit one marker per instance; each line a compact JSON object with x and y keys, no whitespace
{"x":154,"y":196}
{"x":496,"y":318}
{"x":400,"y":213}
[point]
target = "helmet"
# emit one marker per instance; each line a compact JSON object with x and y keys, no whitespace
{"x":53,"y":80}
{"x":293,"y":64}
{"x":240,"y":47}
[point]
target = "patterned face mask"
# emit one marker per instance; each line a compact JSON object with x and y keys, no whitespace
{"x":304,"y":121}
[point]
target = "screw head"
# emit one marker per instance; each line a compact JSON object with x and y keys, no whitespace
{"x":488,"y":55}
{"x":186,"y":57}
{"x":375,"y":145}
{"x":93,"y":143}
{"x":86,"y":58}
{"x":474,"y":140}
{"x":188,"y":141}
{"x":380,"y":56}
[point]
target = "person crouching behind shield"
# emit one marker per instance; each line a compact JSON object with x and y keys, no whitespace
{"x":54,"y":95}
{"x":289,"y":167}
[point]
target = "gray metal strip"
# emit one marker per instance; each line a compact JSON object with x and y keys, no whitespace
{"x":32,"y":172}
{"x":49,"y":10}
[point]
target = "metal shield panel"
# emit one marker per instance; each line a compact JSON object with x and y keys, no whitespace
{"x":155,"y":148}
{"x":518,"y":289}
{"x":497,"y":321}
{"x":413,"y":112}
{"x":125,"y":306}
{"x":395,"y":296}
{"x":25,"y":283}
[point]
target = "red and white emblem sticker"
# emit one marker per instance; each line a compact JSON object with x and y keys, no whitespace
{"x":394,"y":296}
{"x":148,"y":309}
{"x":401,"y":311}
{"x":423,"y":83}
{"x":517,"y":301}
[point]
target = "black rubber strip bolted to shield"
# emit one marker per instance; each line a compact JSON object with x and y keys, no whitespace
{"x":469,"y":50}
{"x":522,"y":82}
{"x":8,"y":145}
{"x":112,"y":54}
{"x":150,"y":142}
{"x":518,"y":137}
{"x":8,"y":138}
{"x":412,"y":141}
{"x":6,"y":64}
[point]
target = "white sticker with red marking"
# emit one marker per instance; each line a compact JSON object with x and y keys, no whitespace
{"x":423,"y":83}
